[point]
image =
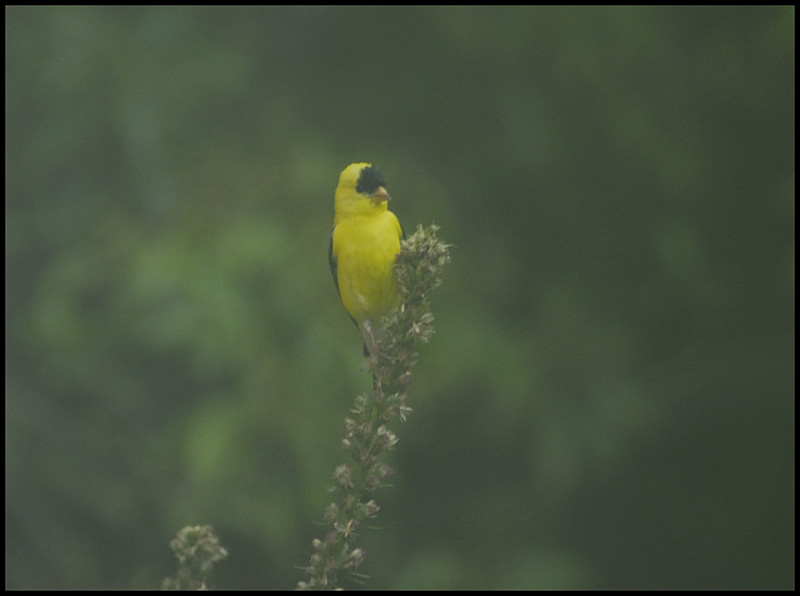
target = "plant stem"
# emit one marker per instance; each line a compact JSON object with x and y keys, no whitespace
{"x":368,"y":439}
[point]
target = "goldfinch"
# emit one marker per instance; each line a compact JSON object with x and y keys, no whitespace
{"x":365,"y":240}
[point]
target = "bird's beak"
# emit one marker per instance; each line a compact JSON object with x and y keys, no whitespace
{"x":380,"y":195}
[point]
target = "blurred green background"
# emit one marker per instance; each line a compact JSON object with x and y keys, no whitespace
{"x":608,"y":401}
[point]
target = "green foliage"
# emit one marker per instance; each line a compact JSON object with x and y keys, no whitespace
{"x":610,"y":399}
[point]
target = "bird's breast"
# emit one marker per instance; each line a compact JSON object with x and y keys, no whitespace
{"x":365,"y":250}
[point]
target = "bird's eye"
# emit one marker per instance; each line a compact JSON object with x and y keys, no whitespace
{"x":370,"y":180}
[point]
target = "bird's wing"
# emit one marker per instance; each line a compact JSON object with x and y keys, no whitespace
{"x":334,"y":269}
{"x":332,"y":263}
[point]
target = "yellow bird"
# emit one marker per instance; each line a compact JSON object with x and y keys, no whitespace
{"x":365,"y":240}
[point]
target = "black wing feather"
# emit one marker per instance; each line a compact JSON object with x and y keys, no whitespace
{"x":332,"y":263}
{"x":334,"y":271}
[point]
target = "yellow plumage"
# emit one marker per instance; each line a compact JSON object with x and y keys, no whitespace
{"x":364,"y":243}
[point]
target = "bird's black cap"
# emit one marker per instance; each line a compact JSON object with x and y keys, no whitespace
{"x":370,"y":179}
